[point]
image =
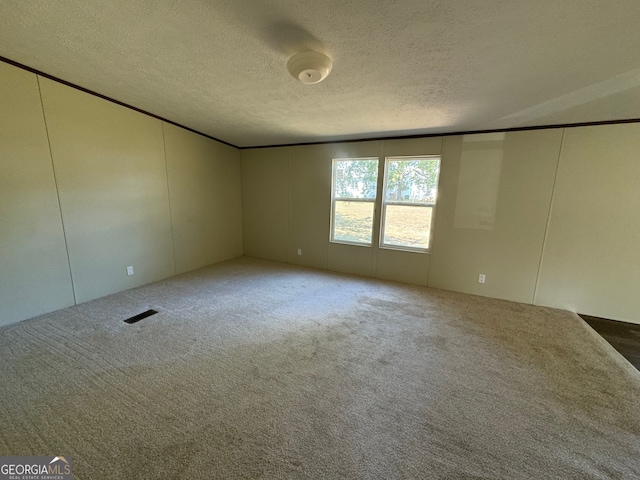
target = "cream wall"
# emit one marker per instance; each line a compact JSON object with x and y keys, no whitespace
{"x":206,"y":201}
{"x":120,"y":186}
{"x":492,"y":216}
{"x":112,"y":184}
{"x":493,"y":203}
{"x":34,"y":270}
{"x":308,"y":208}
{"x":265,"y":203}
{"x":591,"y":260}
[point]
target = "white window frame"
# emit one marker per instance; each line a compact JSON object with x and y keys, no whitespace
{"x":385,"y":203}
{"x":335,"y":199}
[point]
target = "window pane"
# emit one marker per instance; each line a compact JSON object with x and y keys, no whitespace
{"x":412,"y":180}
{"x":407,"y":226}
{"x":356,"y":178}
{"x":353,"y":221}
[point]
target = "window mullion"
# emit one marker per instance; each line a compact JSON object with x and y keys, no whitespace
{"x":408,"y":204}
{"x":348,"y":199}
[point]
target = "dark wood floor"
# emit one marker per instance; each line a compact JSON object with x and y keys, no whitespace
{"x":623,"y":336}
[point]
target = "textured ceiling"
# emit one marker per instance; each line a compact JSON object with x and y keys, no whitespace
{"x":400,"y":67}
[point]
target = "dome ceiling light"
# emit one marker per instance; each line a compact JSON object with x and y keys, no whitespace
{"x":309,"y":67}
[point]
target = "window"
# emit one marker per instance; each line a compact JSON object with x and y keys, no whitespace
{"x":354,"y":190}
{"x":408,"y":202}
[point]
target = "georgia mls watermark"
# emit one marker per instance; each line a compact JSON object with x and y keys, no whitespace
{"x":35,"y":468}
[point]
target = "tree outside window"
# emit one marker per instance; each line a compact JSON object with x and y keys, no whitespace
{"x":408,"y":202}
{"x":355,"y":187}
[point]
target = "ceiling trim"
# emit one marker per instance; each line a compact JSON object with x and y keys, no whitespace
{"x":109,"y":99}
{"x":451,"y":134}
{"x":320,"y":142}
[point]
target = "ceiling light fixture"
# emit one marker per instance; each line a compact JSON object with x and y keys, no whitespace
{"x":309,"y":67}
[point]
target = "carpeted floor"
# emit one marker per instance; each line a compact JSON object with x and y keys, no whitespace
{"x":253,"y":369}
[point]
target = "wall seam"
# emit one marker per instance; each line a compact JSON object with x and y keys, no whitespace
{"x":546,"y":228}
{"x":166,"y":170}
{"x":55,"y":181}
{"x":289,"y":233}
{"x":240,"y":162}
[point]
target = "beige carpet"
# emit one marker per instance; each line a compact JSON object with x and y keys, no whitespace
{"x":255,"y":369}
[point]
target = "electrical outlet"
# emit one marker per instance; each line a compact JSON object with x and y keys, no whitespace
{"x":481,"y":278}
{"x":299,"y":251}
{"x":130,"y":270}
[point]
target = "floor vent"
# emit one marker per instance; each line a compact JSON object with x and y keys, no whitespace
{"x":140,"y":316}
